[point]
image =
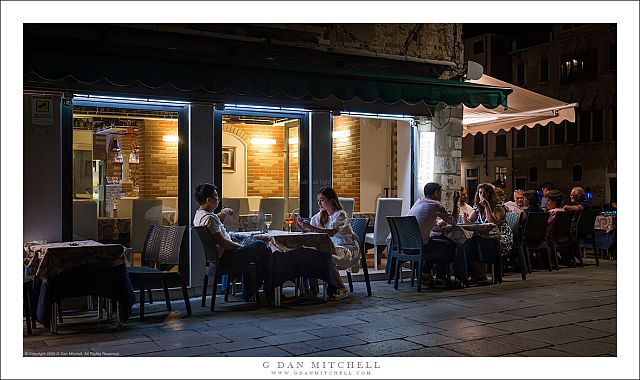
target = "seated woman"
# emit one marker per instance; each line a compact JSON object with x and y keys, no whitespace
{"x":554,"y":205}
{"x":334,"y":221}
{"x":487,"y":209}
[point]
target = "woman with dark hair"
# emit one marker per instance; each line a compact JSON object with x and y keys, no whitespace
{"x":488,"y":209}
{"x":334,"y":221}
{"x":531,"y":201}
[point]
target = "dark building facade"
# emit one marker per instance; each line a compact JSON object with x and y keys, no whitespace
{"x":578,"y":64}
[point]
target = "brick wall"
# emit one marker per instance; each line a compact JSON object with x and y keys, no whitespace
{"x":265,"y":163}
{"x":294,"y":159}
{"x":346,"y":159}
{"x":158,"y":172}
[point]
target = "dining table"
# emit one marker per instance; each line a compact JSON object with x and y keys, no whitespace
{"x":474,"y":241}
{"x":295,"y":255}
{"x":75,"y":269}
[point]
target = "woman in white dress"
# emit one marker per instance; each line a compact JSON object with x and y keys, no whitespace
{"x":334,"y":221}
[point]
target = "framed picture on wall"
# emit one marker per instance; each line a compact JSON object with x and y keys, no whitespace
{"x":229,"y":158}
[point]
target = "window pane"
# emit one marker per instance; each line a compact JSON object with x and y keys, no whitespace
{"x":478,"y":47}
{"x":559,"y":137}
{"x":478,"y":143}
{"x":598,"y":126}
{"x":120,"y":155}
{"x":572,"y":133}
{"x":544,"y":69}
{"x":520,"y":137}
{"x":585,"y":126}
{"x":472,"y":173}
{"x":520,"y":74}
{"x":533,"y":174}
{"x":577,"y":173}
{"x":501,"y":145}
{"x":614,"y":125}
{"x":544,"y":135}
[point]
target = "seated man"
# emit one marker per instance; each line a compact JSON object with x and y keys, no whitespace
{"x":231,"y":253}
{"x":429,"y":209}
{"x":577,"y":204}
{"x":517,"y":204}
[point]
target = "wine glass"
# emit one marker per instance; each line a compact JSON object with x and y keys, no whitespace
{"x":289,"y":221}
{"x":268,"y":219}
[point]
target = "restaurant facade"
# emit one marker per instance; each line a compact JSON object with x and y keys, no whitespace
{"x":115,"y":113}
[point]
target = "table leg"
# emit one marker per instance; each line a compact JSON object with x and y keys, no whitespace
{"x":325,"y":296}
{"x":277,"y":295}
{"x":53,"y":322}
{"x":120,"y":311}
{"x":109,"y":309}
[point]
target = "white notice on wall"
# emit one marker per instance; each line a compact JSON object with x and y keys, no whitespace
{"x":554,"y":164}
{"x":42,"y":110}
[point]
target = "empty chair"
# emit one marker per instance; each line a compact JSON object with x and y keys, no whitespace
{"x":359,"y":227}
{"x":242,"y":204}
{"x":125,"y":207}
{"x":214,"y":269}
{"x":232,"y":222}
{"x":160,"y":254}
{"x":561,"y":238}
{"x":378,"y":239}
{"x":85,"y":219}
{"x":585,"y":233}
{"x":513,"y":220}
{"x":275,"y":207}
{"x":347,"y":205}
{"x":145,"y":213}
{"x":534,"y":236}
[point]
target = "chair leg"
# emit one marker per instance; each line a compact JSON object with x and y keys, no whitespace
{"x":398,"y":265}
{"x":53,"y":322}
{"x":59,"y":313}
{"x":555,"y":257}
{"x":230,"y":279}
{"x":204,"y":290}
{"x":142,"y":290}
{"x":549,"y":255}
{"x":366,"y":275}
{"x":167,"y":299}
{"x":150,"y":294}
{"x":392,"y":269}
{"x":523,"y":263}
{"x":350,"y":282}
{"x":26,"y":305}
{"x":528,"y":253}
{"x":375,"y":257}
{"x":419,"y":275}
{"x":254,"y":278}
{"x":215,"y":289}
{"x":185,"y":295}
{"x":595,"y":252}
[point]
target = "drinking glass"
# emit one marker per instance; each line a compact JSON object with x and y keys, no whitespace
{"x":268,"y":219}
{"x":289,"y":221}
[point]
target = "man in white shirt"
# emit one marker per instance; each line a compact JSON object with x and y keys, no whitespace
{"x":229,"y":252}
{"x":517,"y":204}
{"x":427,"y":212}
{"x":465,"y":208}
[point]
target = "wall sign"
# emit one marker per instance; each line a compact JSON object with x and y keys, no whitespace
{"x":42,"y":110}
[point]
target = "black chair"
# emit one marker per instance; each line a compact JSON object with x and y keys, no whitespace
{"x":513,"y":220}
{"x":585,"y":233}
{"x":214,"y":269}
{"x":359,"y":227}
{"x":561,"y":237}
{"x":406,"y":232}
{"x":161,"y":252}
{"x":534,"y":236}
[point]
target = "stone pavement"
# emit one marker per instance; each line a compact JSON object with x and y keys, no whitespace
{"x":571,"y":312}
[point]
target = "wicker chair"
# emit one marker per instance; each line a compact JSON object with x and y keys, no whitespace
{"x":214,"y":270}
{"x":160,"y":254}
{"x":561,"y":237}
{"x":585,"y":233}
{"x":534,"y":236}
{"x":359,"y":227}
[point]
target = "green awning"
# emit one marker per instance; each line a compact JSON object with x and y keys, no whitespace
{"x":218,"y":78}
